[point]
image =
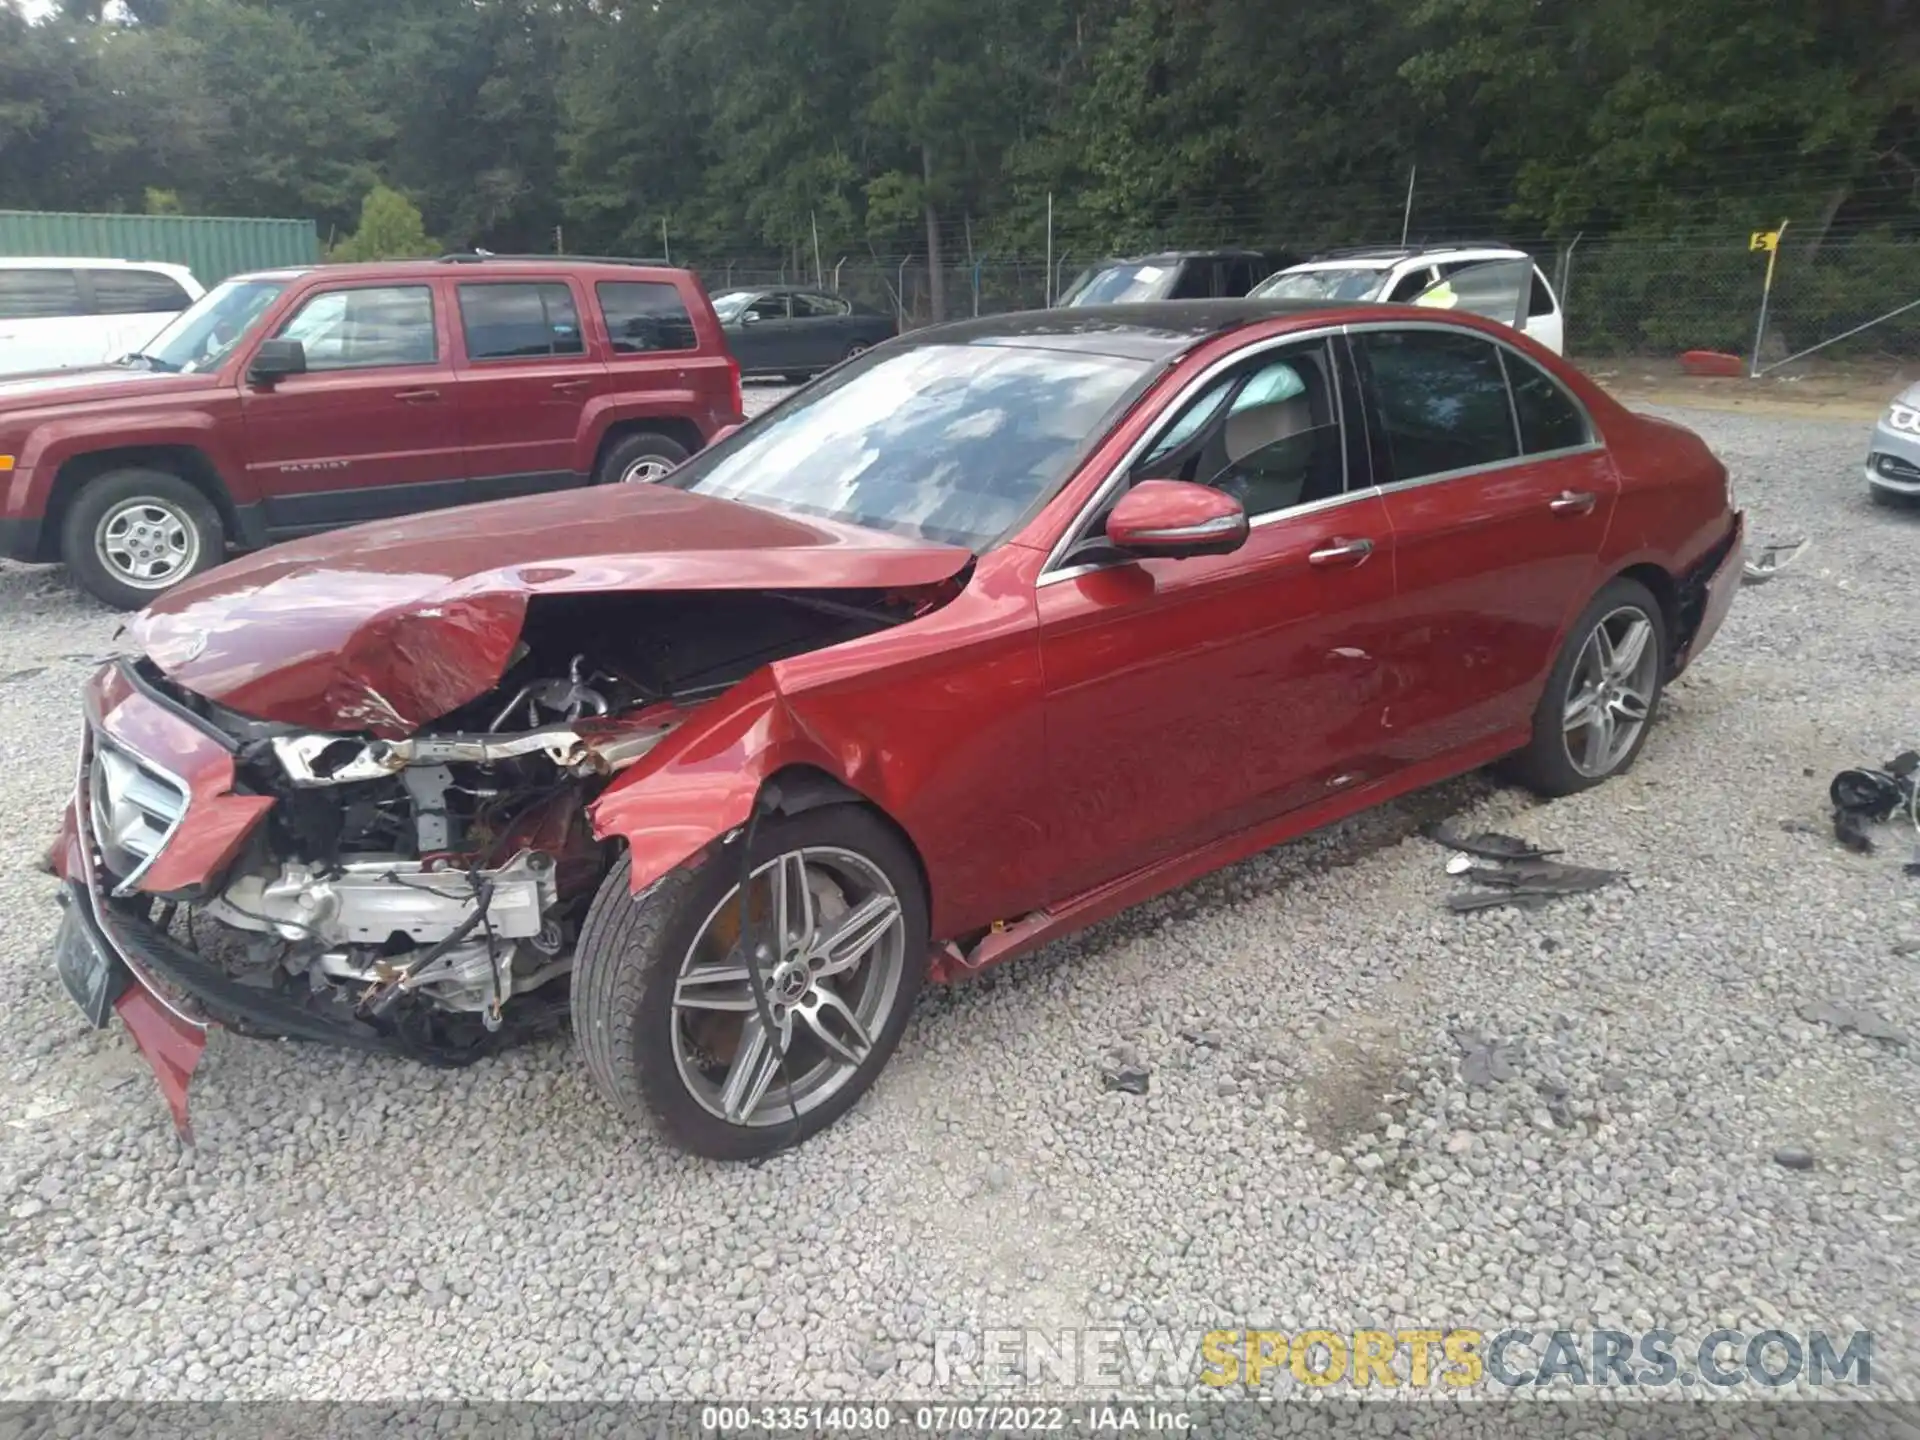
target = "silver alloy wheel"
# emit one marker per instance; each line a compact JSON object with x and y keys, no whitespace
{"x":1610,"y":693}
{"x":147,"y":543}
{"x":647,"y":470}
{"x":833,"y":963}
{"x":856,"y":349}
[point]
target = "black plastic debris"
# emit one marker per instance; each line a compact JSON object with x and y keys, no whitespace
{"x":1127,"y":1079}
{"x":1866,"y":796}
{"x":1487,"y":844}
{"x":1526,"y":884}
{"x":1851,"y":1017}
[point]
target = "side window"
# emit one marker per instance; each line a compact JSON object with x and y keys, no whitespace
{"x":1550,"y":418}
{"x":1541,"y":301}
{"x":31,"y":294}
{"x":136,"y":292}
{"x":366,"y":329}
{"x":520,"y":321}
{"x":1267,"y":433}
{"x":1194,"y":282}
{"x":1441,"y":399}
{"x":769,"y":307}
{"x":645,"y":315}
{"x":811,"y":307}
{"x":1410,"y":284}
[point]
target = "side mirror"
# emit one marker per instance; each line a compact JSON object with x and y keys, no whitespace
{"x":1172,"y":519}
{"x":749,"y":317}
{"x":275,"y":360}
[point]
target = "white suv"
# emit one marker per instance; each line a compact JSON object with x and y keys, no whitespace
{"x":58,"y":313}
{"x":1492,"y":280}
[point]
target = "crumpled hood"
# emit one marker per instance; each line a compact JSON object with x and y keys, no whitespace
{"x":385,"y":627}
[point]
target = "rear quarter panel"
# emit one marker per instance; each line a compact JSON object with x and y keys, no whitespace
{"x":695,"y":386}
{"x":1674,"y":504}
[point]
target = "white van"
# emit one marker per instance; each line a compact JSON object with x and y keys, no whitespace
{"x":58,"y":313}
{"x":1496,"y":281}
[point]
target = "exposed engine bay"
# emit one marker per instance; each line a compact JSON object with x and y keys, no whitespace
{"x":434,"y":886}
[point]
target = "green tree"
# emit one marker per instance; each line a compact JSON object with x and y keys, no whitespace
{"x":390,"y":229}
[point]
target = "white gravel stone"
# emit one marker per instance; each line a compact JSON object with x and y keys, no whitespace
{"x":356,"y":1227}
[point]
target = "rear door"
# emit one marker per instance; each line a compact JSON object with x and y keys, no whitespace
{"x":822,"y":334}
{"x":1544,"y":321}
{"x":527,"y":376}
{"x":44,"y":320}
{"x":1499,"y":497}
{"x":371,"y":429}
{"x":133,"y":304}
{"x":1497,"y":289}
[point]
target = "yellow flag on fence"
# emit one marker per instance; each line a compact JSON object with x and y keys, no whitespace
{"x":1764,"y":240}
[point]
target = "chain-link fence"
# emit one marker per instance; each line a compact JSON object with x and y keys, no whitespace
{"x":1620,"y":297}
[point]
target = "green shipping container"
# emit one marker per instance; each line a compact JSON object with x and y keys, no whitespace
{"x":212,"y":246}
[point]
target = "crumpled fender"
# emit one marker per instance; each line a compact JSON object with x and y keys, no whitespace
{"x":699,"y":785}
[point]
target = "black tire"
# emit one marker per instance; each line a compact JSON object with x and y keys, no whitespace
{"x":1546,"y":766}
{"x":637,"y":449}
{"x":1893,"y":499}
{"x":628,"y":962}
{"x":151,"y":509}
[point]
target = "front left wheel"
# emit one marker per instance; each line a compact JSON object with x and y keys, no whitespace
{"x":664,"y":1010}
{"x":132,"y":534}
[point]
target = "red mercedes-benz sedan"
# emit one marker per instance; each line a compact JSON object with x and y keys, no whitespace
{"x":990,"y":632}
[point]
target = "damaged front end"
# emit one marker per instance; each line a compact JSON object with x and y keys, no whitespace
{"x":419,"y":894}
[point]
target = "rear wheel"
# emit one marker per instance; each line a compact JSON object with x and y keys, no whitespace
{"x":1600,"y":698}
{"x":665,"y":1013}
{"x":641,"y":458}
{"x":132,"y":534}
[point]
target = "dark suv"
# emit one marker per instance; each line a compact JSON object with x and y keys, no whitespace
{"x":292,"y":401}
{"x":1173,"y":275}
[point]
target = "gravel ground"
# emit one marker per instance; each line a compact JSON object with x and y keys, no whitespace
{"x":1332,"y":1139}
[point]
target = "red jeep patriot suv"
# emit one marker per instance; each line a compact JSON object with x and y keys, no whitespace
{"x":292,"y":401}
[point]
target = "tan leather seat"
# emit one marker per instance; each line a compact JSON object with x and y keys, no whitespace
{"x":1264,"y":478}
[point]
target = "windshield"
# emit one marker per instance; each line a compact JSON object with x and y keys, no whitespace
{"x":204,"y":334}
{"x":1120,"y":284}
{"x":1356,"y":284}
{"x":729,"y":305}
{"x":954,"y":443}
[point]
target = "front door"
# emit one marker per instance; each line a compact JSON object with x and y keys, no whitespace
{"x":1499,"y":497}
{"x":371,"y":429}
{"x":1189,"y":699}
{"x":762,"y":338}
{"x":527,"y":377}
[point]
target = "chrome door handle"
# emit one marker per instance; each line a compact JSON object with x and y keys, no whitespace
{"x":1571,"y":502}
{"x":1341,"y":552}
{"x":414,"y":397}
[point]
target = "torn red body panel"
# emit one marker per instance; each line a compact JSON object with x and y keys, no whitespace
{"x":172,"y":1048}
{"x":385,"y":628}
